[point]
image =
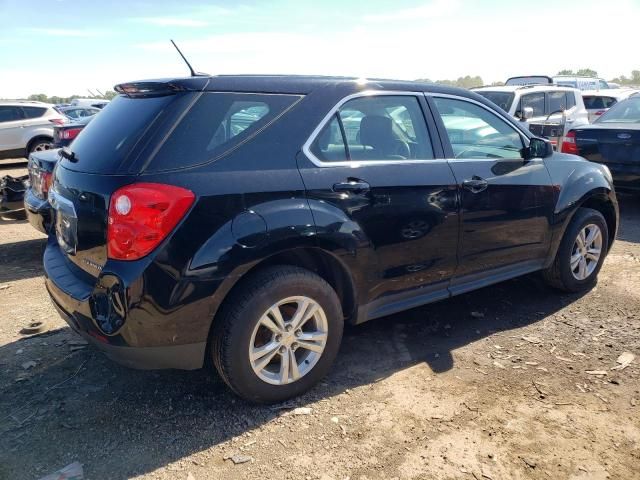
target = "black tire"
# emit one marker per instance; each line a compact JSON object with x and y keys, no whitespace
{"x":38,"y":141}
{"x":233,"y":328}
{"x":559,"y":274}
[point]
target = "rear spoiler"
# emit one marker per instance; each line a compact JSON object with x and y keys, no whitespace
{"x":159,"y":88}
{"x":529,"y":80}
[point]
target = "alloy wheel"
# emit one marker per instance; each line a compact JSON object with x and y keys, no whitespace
{"x":586,"y":252}
{"x":288,"y":340}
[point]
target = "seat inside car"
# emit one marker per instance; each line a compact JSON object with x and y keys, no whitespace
{"x":376,"y":131}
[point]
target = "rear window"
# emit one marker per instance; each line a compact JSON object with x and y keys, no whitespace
{"x":216,"y":124}
{"x":110,"y":138}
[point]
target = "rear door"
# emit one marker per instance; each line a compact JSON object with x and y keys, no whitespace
{"x":372,"y":170}
{"x":506,"y":201}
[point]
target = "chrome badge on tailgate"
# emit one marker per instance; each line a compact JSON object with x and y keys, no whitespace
{"x":66,"y":222}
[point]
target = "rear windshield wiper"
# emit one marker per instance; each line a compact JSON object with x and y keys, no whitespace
{"x":68,"y":154}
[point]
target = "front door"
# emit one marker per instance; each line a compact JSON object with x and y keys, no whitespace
{"x":506,"y":201}
{"x":372,"y":176}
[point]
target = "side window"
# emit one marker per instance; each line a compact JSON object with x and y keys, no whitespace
{"x":329,"y":144}
{"x":608,"y":102}
{"x":378,"y":127}
{"x":557,"y":102}
{"x":10,"y":114}
{"x":535,"y":101}
{"x":603,"y":84}
{"x":475,"y":132}
{"x":241,"y":115}
{"x":33,"y":112}
{"x":571,"y":100}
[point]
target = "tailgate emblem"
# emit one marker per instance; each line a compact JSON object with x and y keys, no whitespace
{"x":624,"y":136}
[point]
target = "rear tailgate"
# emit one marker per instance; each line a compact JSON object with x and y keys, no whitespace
{"x":615,"y":145}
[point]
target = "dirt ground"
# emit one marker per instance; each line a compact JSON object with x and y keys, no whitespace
{"x":496,"y":384}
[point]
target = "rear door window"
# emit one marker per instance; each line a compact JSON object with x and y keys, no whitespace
{"x":33,"y":112}
{"x":557,"y":102}
{"x":375,"y":128}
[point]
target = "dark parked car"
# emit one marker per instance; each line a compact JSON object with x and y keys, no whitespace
{"x":66,"y":133}
{"x":185,"y":232}
{"x":613,"y":140}
{"x":36,"y":204}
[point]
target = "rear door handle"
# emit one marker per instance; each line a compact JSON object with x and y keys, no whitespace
{"x":475,"y":185}
{"x":354,"y":186}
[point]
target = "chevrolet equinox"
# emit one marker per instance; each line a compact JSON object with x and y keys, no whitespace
{"x":245,"y":219}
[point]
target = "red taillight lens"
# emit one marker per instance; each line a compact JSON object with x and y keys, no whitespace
{"x":141,"y":216}
{"x":45,"y":182}
{"x":599,"y":112}
{"x":70,"y":133}
{"x":569,"y":143}
{"x":57,"y":121}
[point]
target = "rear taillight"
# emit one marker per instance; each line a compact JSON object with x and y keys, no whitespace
{"x":57,"y":121}
{"x":569,"y":143}
{"x":70,"y":134}
{"x":141,"y":216}
{"x":599,"y":112}
{"x":45,"y":183}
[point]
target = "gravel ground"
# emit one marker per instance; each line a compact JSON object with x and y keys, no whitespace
{"x":513,"y":381}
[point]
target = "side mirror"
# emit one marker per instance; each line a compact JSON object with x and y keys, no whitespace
{"x":538,"y":148}
{"x":527,"y":113}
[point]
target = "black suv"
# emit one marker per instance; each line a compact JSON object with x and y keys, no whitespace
{"x":244,"y":219}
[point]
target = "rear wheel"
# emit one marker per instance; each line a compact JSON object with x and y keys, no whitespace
{"x":581,"y":253}
{"x":278,"y":335}
{"x":39,"y":144}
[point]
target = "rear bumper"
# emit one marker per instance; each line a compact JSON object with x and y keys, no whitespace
{"x":38,"y":211}
{"x":72,"y":299}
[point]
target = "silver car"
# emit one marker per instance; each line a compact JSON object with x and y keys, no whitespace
{"x":26,"y":127}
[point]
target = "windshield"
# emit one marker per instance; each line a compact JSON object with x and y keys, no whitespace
{"x":627,"y":111}
{"x":502,"y":99}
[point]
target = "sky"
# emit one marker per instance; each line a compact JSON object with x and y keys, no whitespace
{"x":64,"y":47}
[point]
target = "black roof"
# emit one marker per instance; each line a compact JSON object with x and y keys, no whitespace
{"x":301,"y":84}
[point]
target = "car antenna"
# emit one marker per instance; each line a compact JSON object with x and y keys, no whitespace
{"x":193,"y":72}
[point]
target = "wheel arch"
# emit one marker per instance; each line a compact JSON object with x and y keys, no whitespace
{"x":312,"y":258}
{"x":33,"y":140}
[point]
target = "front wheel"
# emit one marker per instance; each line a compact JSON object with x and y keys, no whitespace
{"x":581,"y":253}
{"x":278,"y":335}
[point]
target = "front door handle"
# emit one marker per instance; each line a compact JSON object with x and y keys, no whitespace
{"x":352,"y":185}
{"x":475,"y":185}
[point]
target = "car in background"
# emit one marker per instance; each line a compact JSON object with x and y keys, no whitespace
{"x":540,"y":105}
{"x":76,"y":113}
{"x":232,"y":221}
{"x":573,"y":81}
{"x":612,"y":140}
{"x":26,"y":126}
{"x":581,"y":82}
{"x":598,"y":102}
{"x":64,"y":134}
{"x":90,"y":102}
{"x":36,"y":196}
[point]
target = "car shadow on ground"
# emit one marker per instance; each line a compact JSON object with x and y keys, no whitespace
{"x":21,"y":260}
{"x":139,"y":421}
{"x":629,"y":230}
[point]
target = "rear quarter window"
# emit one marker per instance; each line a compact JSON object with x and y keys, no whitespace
{"x":216,"y":124}
{"x":33,"y":112}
